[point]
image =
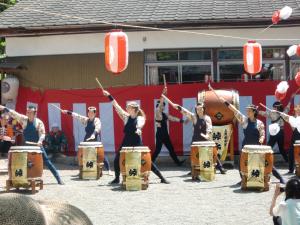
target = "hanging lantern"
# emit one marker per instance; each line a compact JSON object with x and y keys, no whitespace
{"x":297,"y":79}
{"x":252,"y":57}
{"x":116,"y":51}
{"x":281,"y":90}
{"x":282,"y":14}
{"x":293,"y":50}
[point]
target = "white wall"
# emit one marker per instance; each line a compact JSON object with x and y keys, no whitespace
{"x":94,"y":43}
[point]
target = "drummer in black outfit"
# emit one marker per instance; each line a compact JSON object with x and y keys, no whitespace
{"x":162,"y":134}
{"x":134,"y":120}
{"x":202,"y":126}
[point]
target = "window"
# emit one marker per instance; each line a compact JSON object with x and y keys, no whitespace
{"x":231,"y":72}
{"x":273,"y":53}
{"x":195,"y":73}
{"x":182,"y":66}
{"x":272,"y":71}
{"x":230,"y":54}
{"x":294,"y":68}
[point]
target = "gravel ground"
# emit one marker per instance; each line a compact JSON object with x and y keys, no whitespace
{"x":181,"y":202}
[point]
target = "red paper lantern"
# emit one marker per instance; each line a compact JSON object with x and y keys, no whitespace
{"x":116,"y":51}
{"x":279,"y":96}
{"x":297,"y":79}
{"x":252,"y":57}
{"x":298,"y":51}
{"x":276,"y":17}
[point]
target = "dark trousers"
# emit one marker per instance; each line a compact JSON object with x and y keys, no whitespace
{"x":219,"y":165}
{"x":291,"y":157}
{"x":50,"y":166}
{"x":161,"y":139}
{"x":154,"y":168}
{"x":279,"y":139}
{"x":4,"y":146}
{"x":277,"y":220}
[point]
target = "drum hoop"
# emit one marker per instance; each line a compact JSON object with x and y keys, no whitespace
{"x":135,"y":149}
{"x":297,"y":143}
{"x":30,"y":148}
{"x":93,"y":144}
{"x":203,"y":143}
{"x":257,"y":149}
{"x":25,"y":151}
{"x":201,"y":96}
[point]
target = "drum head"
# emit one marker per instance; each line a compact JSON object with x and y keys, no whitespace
{"x":297,"y":143}
{"x":257,"y":148}
{"x":25,"y":149}
{"x":90,"y":144}
{"x":204,"y":143}
{"x":135,"y":149}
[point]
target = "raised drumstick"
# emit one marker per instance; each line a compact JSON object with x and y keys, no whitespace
{"x":100,"y":85}
{"x":168,"y":100}
{"x":56,"y":107}
{"x":165,"y":82}
{"x":270,"y":109}
{"x":213,"y":90}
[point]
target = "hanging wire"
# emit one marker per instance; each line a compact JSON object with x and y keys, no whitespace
{"x":153,"y":28}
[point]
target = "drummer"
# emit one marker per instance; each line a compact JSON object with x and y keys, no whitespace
{"x":6,"y":135}
{"x":162,"y":134}
{"x":92,"y":127}
{"x":134,"y":120}
{"x":34,"y":131}
{"x":276,"y":129}
{"x":202,"y":126}
{"x":293,"y":121}
{"x":254,"y":129}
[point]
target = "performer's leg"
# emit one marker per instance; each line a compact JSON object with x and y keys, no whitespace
{"x":158,"y":173}
{"x":117,"y":168}
{"x":277,"y":175}
{"x":171,"y":150}
{"x":280,"y":142}
{"x":158,"y":146}
{"x":291,"y":158}
{"x":51,"y":167}
{"x":220,"y":166}
{"x":272,"y":140}
{"x":106,"y":163}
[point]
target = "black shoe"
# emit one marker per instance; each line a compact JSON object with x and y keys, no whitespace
{"x":198,"y":179}
{"x":223,"y":171}
{"x":180,"y":163}
{"x":164,"y":181}
{"x":290,"y":172}
{"x":60,"y":182}
{"x":282,"y":181}
{"x":115,"y":181}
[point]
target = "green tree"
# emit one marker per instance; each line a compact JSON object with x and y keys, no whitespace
{"x":4,"y":4}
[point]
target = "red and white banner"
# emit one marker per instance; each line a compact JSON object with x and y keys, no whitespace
{"x":112,"y":126}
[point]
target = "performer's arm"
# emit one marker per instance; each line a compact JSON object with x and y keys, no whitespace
{"x":261,"y":130}
{"x":121,"y":112}
{"x":175,"y":119}
{"x":140,"y":124}
{"x":41,"y":130}
{"x":190,"y":116}
{"x":264,"y":113}
{"x":239,"y":116}
{"x":82,"y":119}
{"x":97,"y":123}
{"x":18,"y":116}
{"x":208,"y":127}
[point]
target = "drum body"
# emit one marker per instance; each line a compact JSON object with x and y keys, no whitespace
{"x":25,"y":163}
{"x":297,"y":157}
{"x":218,"y":111}
{"x":203,"y":160}
{"x":135,"y":165}
{"x":90,"y":160}
{"x":256,"y":165}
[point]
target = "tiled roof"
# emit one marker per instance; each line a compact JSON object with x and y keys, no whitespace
{"x":140,"y":11}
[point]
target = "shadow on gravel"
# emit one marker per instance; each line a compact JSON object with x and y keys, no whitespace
{"x":21,"y":191}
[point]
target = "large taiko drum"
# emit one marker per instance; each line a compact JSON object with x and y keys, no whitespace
{"x":25,"y":166}
{"x":297,"y":157}
{"x":203,"y":160}
{"x":135,"y":165}
{"x":256,"y":165}
{"x":90,"y":159}
{"x":217,"y":110}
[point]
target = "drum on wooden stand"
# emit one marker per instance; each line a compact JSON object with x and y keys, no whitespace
{"x":135,"y":165}
{"x":256,"y":165}
{"x":90,"y":160}
{"x":297,"y":157}
{"x":25,"y":167}
{"x":216,"y":109}
{"x":203,"y":160}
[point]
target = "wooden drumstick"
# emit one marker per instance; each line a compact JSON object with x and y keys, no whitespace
{"x":213,"y":90}
{"x":168,"y":100}
{"x":100,"y":85}
{"x":270,"y":109}
{"x":203,"y":135}
{"x":165,"y":82}
{"x":56,"y":107}
{"x":31,"y":143}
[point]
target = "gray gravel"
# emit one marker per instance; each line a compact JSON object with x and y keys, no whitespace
{"x":181,"y":202}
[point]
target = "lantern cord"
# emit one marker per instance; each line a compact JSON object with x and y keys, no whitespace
{"x":153,"y":28}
